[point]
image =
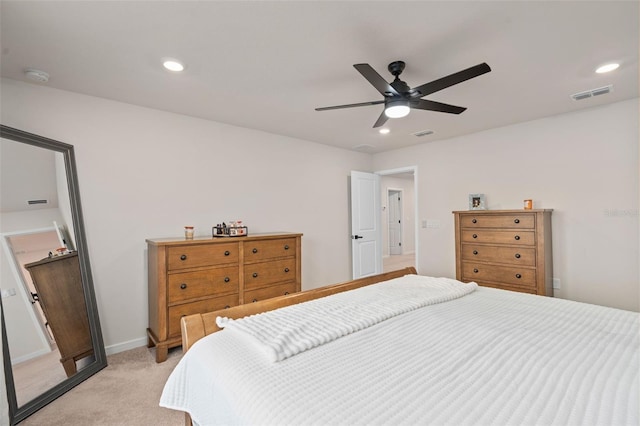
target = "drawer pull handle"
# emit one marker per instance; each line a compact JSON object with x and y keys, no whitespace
{"x":475,"y":235}
{"x":255,"y":250}
{"x":183,"y":257}
{"x":474,"y":221}
{"x":475,"y":271}
{"x":183,"y":286}
{"x":475,"y":252}
{"x":227,"y":279}
{"x":227,"y":253}
{"x":518,"y":276}
{"x":516,"y":221}
{"x":517,"y":237}
{"x":286,"y":269}
{"x":517,"y":255}
{"x":286,"y":246}
{"x":255,"y":300}
{"x":255,"y":275}
{"x":286,"y":292}
{"x":227,"y":307}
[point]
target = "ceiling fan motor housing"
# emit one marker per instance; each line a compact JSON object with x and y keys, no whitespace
{"x":396,"y":68}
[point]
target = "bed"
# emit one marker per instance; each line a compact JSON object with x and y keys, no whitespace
{"x":403,"y":349}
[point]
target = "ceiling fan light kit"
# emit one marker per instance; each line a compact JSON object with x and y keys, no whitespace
{"x":399,"y":98}
{"x":397,"y":108}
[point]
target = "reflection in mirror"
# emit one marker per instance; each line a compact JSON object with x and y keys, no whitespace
{"x":51,"y":324}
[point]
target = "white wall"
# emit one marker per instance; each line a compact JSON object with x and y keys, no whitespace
{"x":145,"y":173}
{"x":584,"y":165}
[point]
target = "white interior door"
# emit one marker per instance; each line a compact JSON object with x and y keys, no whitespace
{"x":395,"y":221}
{"x":366,"y":235}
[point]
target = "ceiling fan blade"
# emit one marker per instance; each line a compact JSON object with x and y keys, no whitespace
{"x":381,"y":120}
{"x":450,"y":80}
{"x":436,"y":106}
{"x":350,"y":105}
{"x":376,"y":80}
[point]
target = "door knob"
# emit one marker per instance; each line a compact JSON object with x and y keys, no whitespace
{"x":355,"y":237}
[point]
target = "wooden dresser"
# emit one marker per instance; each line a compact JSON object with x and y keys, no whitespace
{"x":206,"y":274}
{"x":58,"y":284}
{"x":507,"y":249}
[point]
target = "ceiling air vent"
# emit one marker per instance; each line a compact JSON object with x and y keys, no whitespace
{"x":591,"y":93}
{"x":363,"y":147}
{"x":35,"y":202}
{"x":422,"y":133}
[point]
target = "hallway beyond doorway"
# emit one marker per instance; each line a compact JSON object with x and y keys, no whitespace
{"x":394,"y":262}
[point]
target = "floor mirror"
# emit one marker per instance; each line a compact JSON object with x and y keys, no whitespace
{"x":51,"y":336}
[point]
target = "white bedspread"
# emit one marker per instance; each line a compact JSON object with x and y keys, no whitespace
{"x":293,"y":329}
{"x":491,"y":357}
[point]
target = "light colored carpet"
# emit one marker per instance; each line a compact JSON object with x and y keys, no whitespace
{"x":126,"y":392}
{"x":394,"y":262}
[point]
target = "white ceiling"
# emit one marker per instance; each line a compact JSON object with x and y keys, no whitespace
{"x":267,"y":65}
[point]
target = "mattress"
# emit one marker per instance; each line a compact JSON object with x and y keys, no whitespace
{"x":487,"y":357}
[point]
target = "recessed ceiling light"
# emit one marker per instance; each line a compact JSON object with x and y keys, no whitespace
{"x":172,"y":64}
{"x":384,"y":131}
{"x":607,"y":68}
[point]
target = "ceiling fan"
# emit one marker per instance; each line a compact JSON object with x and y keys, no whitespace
{"x":399,"y":98}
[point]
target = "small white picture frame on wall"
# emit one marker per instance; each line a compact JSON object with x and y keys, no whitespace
{"x":477,"y":202}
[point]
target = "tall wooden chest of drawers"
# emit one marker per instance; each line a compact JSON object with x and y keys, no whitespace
{"x":206,"y":274}
{"x":507,"y":249}
{"x":58,"y":284}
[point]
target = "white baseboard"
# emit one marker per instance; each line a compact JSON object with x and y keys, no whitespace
{"x":125,"y":346}
{"x":27,"y":357}
{"x":384,"y":256}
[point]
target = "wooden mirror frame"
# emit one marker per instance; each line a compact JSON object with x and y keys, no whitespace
{"x":17,"y":414}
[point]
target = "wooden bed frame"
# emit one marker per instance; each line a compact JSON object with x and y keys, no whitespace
{"x":195,"y":327}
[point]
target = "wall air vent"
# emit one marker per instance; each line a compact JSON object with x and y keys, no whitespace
{"x":422,"y":133}
{"x":35,"y":202}
{"x":591,"y":93}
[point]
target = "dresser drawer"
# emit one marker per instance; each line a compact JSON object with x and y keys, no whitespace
{"x":523,"y":238}
{"x":203,"y":283}
{"x":192,"y":256}
{"x":257,"y":251}
{"x":525,"y":256}
{"x":472,"y":271}
{"x":269,"y":292}
{"x":515,"y":221}
{"x":259,"y":275}
{"x":178,"y":311}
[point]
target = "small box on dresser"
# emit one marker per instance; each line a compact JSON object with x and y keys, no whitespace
{"x":507,"y":249}
{"x":206,"y":274}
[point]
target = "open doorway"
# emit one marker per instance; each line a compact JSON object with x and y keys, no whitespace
{"x":395,"y":221}
{"x":35,"y":357}
{"x":22,"y":248}
{"x":398,"y":189}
